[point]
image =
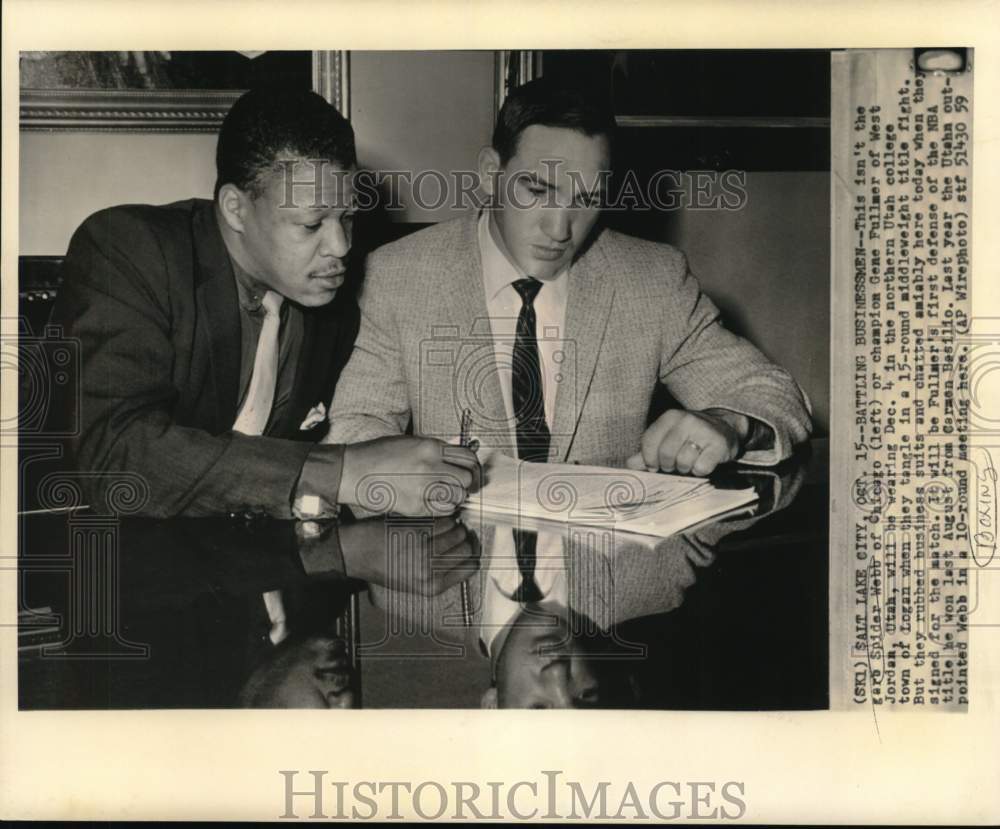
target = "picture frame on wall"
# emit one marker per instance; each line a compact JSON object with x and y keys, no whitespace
{"x":162,"y":91}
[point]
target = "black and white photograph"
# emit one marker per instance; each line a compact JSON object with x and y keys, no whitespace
{"x":459,"y":388}
{"x":328,"y":441}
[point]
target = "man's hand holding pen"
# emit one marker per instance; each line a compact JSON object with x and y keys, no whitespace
{"x":409,"y":476}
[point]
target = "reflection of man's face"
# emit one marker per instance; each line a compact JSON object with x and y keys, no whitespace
{"x":310,"y":673}
{"x":541,"y":665}
{"x":548,"y":197}
{"x":295,"y":239}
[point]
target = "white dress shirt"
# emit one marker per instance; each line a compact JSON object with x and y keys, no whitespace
{"x":503,"y":304}
{"x":503,"y":577}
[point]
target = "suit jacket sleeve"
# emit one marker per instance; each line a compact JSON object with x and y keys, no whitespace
{"x":177,"y":561}
{"x":707,"y":366}
{"x":116,"y":302}
{"x":371,"y":398}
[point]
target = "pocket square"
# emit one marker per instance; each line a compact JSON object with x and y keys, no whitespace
{"x":317,"y":414}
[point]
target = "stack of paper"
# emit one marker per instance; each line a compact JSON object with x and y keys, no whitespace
{"x":623,"y":499}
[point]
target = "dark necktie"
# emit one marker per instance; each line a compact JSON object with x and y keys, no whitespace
{"x":527,"y":396}
{"x":533,"y":436}
{"x":524,"y":548}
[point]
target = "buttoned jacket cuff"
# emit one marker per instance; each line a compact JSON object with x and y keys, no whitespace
{"x":315,"y":494}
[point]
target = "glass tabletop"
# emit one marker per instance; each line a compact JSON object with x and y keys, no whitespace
{"x":388,"y":612}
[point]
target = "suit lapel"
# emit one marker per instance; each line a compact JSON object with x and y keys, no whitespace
{"x":310,"y":364}
{"x":588,"y":308}
{"x":322,"y":335}
{"x":467,"y":301}
{"x":218,"y":313}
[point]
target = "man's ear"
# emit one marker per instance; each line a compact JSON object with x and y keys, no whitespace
{"x":233,"y":204}
{"x":489,"y":171}
{"x":489,"y":698}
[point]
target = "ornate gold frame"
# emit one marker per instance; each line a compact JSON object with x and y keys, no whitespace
{"x":182,"y":110}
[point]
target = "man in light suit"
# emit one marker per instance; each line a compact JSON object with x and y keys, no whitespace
{"x":590,"y":582}
{"x":209,"y":329}
{"x":553,"y":331}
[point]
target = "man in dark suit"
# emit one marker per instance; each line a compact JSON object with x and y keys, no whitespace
{"x":210,"y":332}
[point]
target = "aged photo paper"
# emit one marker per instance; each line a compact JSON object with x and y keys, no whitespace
{"x":902,"y":197}
{"x":825,"y":652}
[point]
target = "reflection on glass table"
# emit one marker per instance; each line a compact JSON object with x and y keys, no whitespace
{"x":461,"y":612}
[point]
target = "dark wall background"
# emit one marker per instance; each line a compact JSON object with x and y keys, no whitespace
{"x":765,"y":116}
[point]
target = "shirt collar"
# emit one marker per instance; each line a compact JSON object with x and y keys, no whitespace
{"x":250,"y":291}
{"x":499,"y":270}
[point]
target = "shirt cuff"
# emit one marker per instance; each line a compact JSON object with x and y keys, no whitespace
{"x":760,"y":438}
{"x":315,"y":495}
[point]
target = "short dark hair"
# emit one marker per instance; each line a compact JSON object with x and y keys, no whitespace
{"x":550,"y":104}
{"x":266,"y":124}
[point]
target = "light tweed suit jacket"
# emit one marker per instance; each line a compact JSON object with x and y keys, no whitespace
{"x":634,"y":315}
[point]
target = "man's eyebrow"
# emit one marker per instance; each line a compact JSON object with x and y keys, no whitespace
{"x":578,"y":191}
{"x":304,"y":207}
{"x":323,"y":208}
{"x":535,"y":178}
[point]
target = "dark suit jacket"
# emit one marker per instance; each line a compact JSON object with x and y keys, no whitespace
{"x":150,"y":294}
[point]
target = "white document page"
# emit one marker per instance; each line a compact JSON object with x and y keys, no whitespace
{"x":650,"y":503}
